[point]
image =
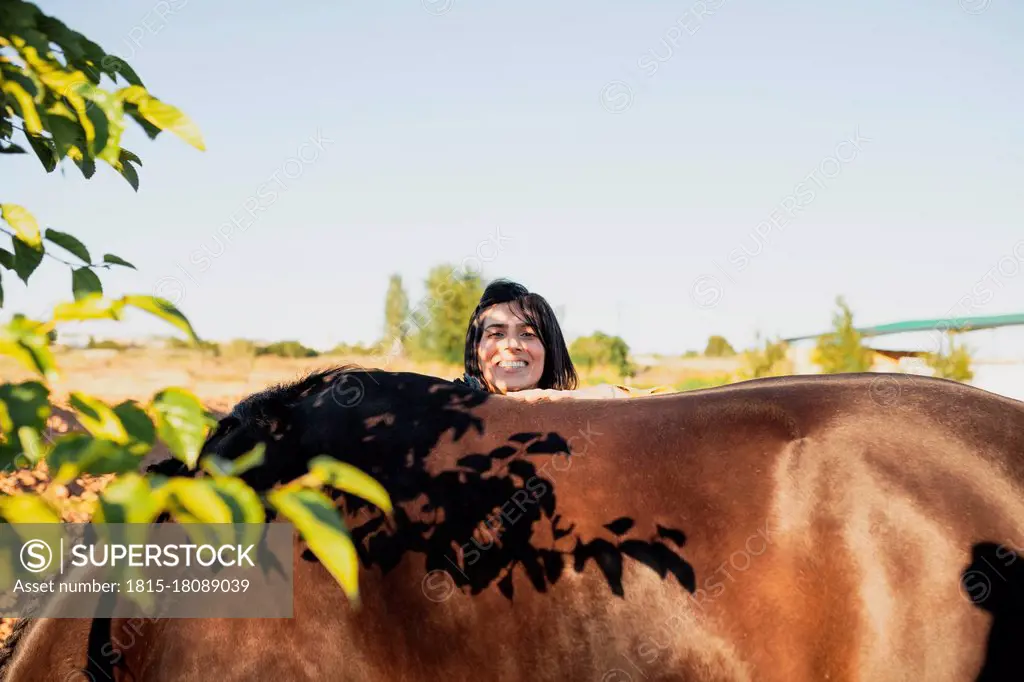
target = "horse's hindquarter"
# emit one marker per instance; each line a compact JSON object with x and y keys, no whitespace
{"x":820,"y":547}
{"x":823,"y":547}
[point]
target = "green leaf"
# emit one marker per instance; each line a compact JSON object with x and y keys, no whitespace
{"x":130,"y":156}
{"x":114,"y":65}
{"x":163,"y":309}
{"x":325,"y":470}
{"x":7,"y":259}
{"x":199,"y":501}
{"x":11,"y":148}
{"x":137,"y":423}
{"x":91,"y":307}
{"x":129,"y":499}
{"x":26,"y":259}
{"x":23,"y":222}
{"x":98,"y":418}
{"x":128,"y":172}
{"x":1,"y":290}
{"x":198,"y":498}
{"x":216,"y":465}
{"x":81,"y":453}
{"x":46,"y":151}
{"x":25,"y":341}
{"x":321,"y":526}
{"x":31,"y":443}
{"x":27,"y":508}
{"x":117,"y":260}
{"x":85,"y":282}
{"x":182,"y":423}
{"x":70,"y":243}
{"x":25,"y":406}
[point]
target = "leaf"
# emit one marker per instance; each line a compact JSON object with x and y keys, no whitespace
{"x":23,"y":340}
{"x":216,"y":465}
{"x":26,"y":259}
{"x":27,"y":508}
{"x":117,"y":260}
{"x":129,"y":173}
{"x":46,"y":151}
{"x":26,"y":407}
{"x":31,"y":443}
{"x":81,"y":453}
{"x":1,"y":291}
{"x":163,"y":309}
{"x":11,"y":148}
{"x":7,"y":259}
{"x":114,"y":65}
{"x":162,"y":115}
{"x":199,"y":498}
{"x":136,"y":422}
{"x":98,"y":418}
{"x":23,"y":222}
{"x":326,"y":470}
{"x":181,"y":423}
{"x":70,"y":243}
{"x":200,"y":501}
{"x":128,"y":499}
{"x":85,"y":282}
{"x":23,"y":101}
{"x":91,"y":307}
{"x":321,"y":526}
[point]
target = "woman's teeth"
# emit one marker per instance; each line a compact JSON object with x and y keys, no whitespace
{"x":517,"y":364}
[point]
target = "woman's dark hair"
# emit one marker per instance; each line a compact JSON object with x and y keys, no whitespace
{"x":535,"y":311}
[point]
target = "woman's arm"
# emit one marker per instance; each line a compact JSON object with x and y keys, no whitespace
{"x":600,"y":392}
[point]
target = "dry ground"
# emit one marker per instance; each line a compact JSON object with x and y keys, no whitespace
{"x":220,"y":382}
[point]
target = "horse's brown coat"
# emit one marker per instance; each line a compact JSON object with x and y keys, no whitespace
{"x":828,"y":525}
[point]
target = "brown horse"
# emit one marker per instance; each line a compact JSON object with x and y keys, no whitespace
{"x":852,"y":527}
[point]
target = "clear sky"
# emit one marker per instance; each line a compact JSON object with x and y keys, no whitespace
{"x":626,"y":153}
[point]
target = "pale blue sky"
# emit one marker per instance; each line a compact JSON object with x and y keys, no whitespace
{"x":440,"y":129}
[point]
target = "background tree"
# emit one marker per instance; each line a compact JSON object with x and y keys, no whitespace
{"x":718,"y":347}
{"x":396,"y":310}
{"x":841,"y":350}
{"x":439,"y":321}
{"x":51,"y":101}
{"x":600,"y":349}
{"x":766,"y":359}
{"x":952,"y":363}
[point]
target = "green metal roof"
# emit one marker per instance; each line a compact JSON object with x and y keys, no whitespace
{"x":959,"y":324}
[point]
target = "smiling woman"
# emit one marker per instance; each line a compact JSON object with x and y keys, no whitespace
{"x":515,"y":347}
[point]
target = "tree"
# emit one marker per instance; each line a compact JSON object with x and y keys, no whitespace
{"x":952,"y":364}
{"x":841,"y":350}
{"x":396,"y":310}
{"x":718,"y":347}
{"x":601,"y":349}
{"x":50,"y":93}
{"x":442,"y":317}
{"x":767,"y":359}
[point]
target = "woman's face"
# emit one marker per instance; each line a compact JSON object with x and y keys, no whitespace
{"x":510,"y":353}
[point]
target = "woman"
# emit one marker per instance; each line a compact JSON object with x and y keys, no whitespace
{"x":515,"y":347}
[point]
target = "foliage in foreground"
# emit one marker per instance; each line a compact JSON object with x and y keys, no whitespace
{"x":50,"y":93}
